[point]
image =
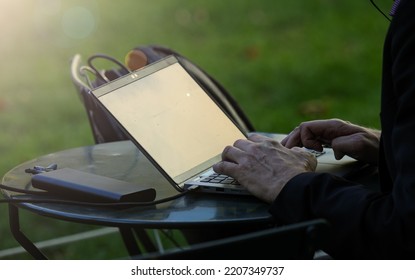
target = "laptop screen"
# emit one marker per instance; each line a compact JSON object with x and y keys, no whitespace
{"x":170,"y":117}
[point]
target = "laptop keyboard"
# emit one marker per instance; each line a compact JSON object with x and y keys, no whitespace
{"x":220,"y":179}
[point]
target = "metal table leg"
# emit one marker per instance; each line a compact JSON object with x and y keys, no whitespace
{"x":145,"y":240}
{"x":132,"y":241}
{"x":20,"y":237}
{"x":129,"y":241}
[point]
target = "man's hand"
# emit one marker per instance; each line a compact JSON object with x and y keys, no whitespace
{"x":345,"y":138}
{"x":263,"y":165}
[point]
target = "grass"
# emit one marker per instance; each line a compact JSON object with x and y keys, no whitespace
{"x":284,"y":61}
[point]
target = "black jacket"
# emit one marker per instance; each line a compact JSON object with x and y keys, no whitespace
{"x":369,"y":224}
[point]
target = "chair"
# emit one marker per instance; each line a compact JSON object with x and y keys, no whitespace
{"x":104,"y":128}
{"x":291,"y":242}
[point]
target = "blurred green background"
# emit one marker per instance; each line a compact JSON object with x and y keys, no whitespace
{"x":284,"y":62}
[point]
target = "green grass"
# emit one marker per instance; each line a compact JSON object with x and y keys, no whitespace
{"x":284,"y":61}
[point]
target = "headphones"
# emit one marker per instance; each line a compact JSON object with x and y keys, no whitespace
{"x":377,"y":8}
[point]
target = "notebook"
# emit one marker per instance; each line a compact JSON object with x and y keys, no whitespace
{"x":174,"y":122}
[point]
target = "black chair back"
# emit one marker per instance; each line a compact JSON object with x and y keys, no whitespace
{"x":104,"y":128}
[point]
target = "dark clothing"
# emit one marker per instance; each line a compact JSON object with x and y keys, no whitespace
{"x":367,"y":224}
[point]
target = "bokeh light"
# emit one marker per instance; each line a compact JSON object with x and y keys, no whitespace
{"x":55,"y":21}
{"x":78,"y":22}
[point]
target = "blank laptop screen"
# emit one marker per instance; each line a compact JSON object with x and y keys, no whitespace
{"x":170,"y":116}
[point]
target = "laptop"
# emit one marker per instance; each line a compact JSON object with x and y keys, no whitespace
{"x":174,"y":122}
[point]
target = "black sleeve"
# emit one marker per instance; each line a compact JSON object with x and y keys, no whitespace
{"x":364,"y":223}
{"x":343,"y":203}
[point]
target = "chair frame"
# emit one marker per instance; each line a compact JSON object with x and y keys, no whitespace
{"x":105,"y":129}
{"x":298,"y":241}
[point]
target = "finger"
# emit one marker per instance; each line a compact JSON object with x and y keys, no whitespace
{"x":310,"y":140}
{"x":225,"y":167}
{"x":256,"y":141}
{"x":293,"y":139}
{"x":258,"y":138}
{"x":232,"y":154}
{"x":338,"y":154}
{"x":242,"y":145}
{"x":342,"y":146}
{"x":262,"y":139}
